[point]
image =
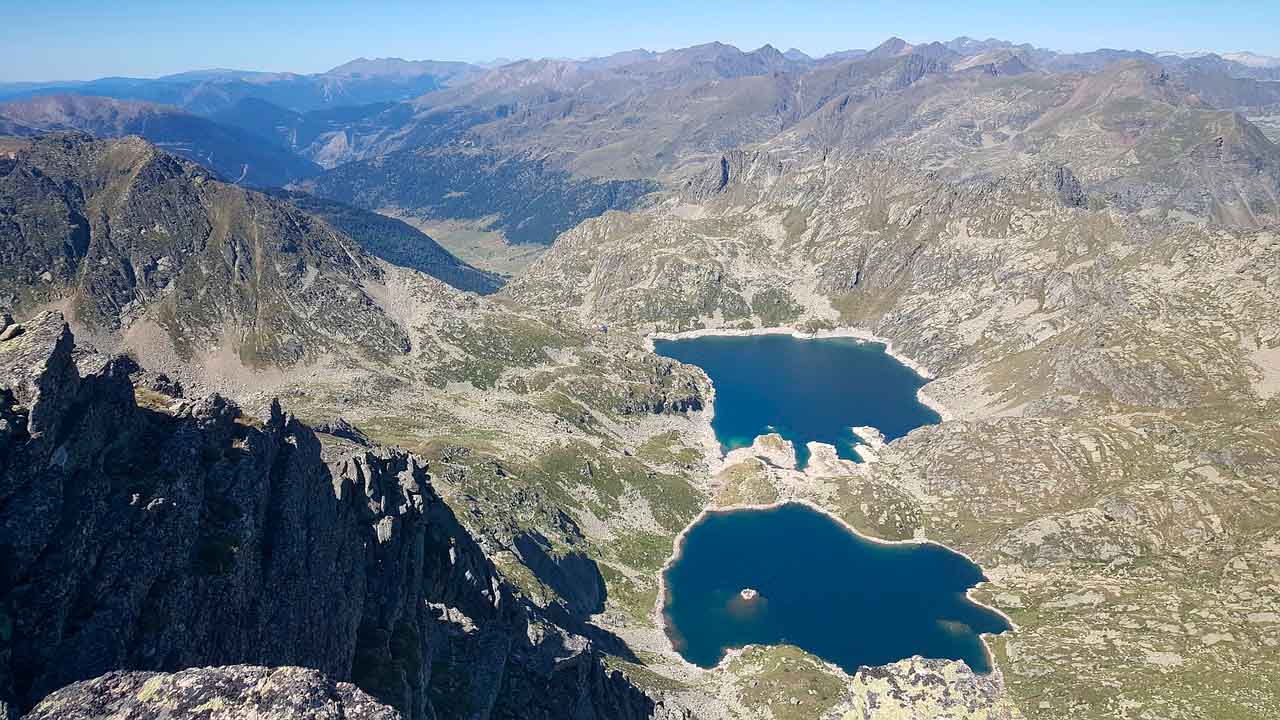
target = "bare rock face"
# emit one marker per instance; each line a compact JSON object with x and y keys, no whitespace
{"x":235,"y":692}
{"x":925,"y":689}
{"x":734,"y":168}
{"x":143,"y":531}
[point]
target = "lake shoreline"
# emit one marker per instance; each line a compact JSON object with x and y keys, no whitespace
{"x":659,"y":615}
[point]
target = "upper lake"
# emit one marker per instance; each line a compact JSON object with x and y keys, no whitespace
{"x":805,"y":390}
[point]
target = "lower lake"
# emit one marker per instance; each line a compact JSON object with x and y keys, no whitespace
{"x":804,"y":389}
{"x":793,"y":575}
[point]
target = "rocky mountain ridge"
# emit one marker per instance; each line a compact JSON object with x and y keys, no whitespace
{"x":1129,"y":123}
{"x":230,"y":692}
{"x":135,"y":243}
{"x":357,"y":82}
{"x":630,"y":122}
{"x":148,"y":531}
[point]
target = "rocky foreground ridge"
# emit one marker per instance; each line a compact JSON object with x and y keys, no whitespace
{"x":143,"y":531}
{"x":217,"y":693}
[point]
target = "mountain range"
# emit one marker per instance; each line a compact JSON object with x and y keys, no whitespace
{"x":206,"y":91}
{"x":336,"y":393}
{"x":643,"y":116}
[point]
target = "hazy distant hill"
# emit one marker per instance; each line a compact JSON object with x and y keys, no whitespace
{"x":232,"y":153}
{"x":358,"y":82}
{"x":323,"y":136}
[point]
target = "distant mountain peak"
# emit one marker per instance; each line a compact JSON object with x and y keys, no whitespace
{"x":619,"y":59}
{"x":770,"y":53}
{"x":710,"y":49}
{"x":892,"y":47}
{"x":933,"y":50}
{"x":1001,"y":61}
{"x":211,"y":74}
{"x":389,"y":67}
{"x":1248,"y":59}
{"x":1252,"y":59}
{"x":842,"y":55}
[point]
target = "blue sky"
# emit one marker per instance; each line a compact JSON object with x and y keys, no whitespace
{"x":48,"y":40}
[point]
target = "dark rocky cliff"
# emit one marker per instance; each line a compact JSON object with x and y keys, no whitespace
{"x":143,"y":531}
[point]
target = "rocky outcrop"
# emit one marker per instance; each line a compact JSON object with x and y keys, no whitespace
{"x":734,"y":167}
{"x":142,"y":531}
{"x":667,"y":387}
{"x":924,"y":689}
{"x":341,"y":428}
{"x":236,"y":692}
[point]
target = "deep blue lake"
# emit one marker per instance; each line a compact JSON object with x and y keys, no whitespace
{"x":822,"y":588}
{"x":803,"y":389}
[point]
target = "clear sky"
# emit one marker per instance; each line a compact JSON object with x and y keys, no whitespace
{"x":78,"y":39}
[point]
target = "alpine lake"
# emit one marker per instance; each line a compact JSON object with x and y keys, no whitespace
{"x":789,"y":574}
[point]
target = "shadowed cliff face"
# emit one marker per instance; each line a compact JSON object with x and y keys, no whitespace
{"x":144,"y":531}
{"x":572,"y":575}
